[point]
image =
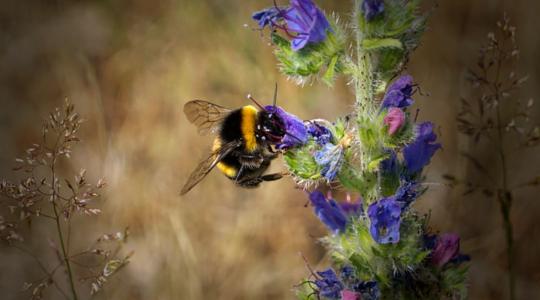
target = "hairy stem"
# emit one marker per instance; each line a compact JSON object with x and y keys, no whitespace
{"x":59,"y":229}
{"x":362,"y":76}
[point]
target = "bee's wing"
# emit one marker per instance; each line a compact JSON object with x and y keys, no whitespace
{"x":205,"y":115}
{"x":208,"y":164}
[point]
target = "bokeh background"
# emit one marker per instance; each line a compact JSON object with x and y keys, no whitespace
{"x":129,"y":67}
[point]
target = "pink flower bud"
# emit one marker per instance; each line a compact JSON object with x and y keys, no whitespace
{"x":394,"y":119}
{"x":446,"y":248}
{"x":350,"y":295}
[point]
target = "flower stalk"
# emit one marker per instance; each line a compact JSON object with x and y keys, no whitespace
{"x":380,"y":247}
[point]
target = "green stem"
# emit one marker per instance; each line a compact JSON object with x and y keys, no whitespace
{"x":505,"y":195}
{"x":363,"y":75}
{"x":59,"y":229}
{"x":505,"y":203}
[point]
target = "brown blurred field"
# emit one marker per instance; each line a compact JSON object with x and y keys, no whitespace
{"x":129,"y":66}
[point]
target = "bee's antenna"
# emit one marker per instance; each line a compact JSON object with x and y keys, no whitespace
{"x":255,"y":101}
{"x":275,"y":96}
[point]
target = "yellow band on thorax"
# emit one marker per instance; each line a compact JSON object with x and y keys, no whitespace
{"x":249,"y":121}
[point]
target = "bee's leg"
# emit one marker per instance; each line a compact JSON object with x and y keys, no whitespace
{"x":255,"y":181}
{"x":270,"y":153}
{"x":240,"y":171}
{"x":271,"y":177}
{"x":271,"y":150}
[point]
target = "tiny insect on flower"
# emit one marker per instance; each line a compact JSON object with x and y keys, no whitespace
{"x":399,"y":93}
{"x":385,"y":220}
{"x":418,"y":154}
{"x":267,"y":17}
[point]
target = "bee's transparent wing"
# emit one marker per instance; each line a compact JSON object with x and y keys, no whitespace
{"x":205,"y":115}
{"x":208,"y":164}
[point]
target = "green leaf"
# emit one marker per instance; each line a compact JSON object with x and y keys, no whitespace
{"x":330,"y":74}
{"x":374,"y":44}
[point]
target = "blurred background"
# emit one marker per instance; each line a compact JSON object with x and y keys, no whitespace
{"x":129,"y":67}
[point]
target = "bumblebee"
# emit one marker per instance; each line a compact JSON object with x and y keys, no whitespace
{"x":242,"y":148}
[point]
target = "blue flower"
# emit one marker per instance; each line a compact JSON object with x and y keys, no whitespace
{"x":329,"y":285}
{"x":419,"y":152}
{"x":329,"y":212}
{"x":372,"y":8}
{"x":330,"y":158}
{"x":307,"y":21}
{"x":267,"y":17}
{"x":368,"y":289}
{"x":406,"y":194}
{"x":389,"y":166}
{"x":399,"y":93}
{"x":320,"y":134}
{"x":302,"y":20}
{"x":348,"y":273}
{"x":352,"y":208}
{"x":385,"y":220}
{"x":295,"y":130}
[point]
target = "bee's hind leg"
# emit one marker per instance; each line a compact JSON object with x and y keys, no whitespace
{"x":254,"y":182}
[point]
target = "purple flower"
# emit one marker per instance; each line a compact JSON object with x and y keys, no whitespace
{"x":335,"y":216}
{"x":394,"y":119}
{"x":419,"y":152}
{"x":352,"y":208}
{"x":390,"y":165}
{"x":266,"y":17}
{"x":329,"y":285}
{"x":406,"y":194}
{"x":320,"y":134}
{"x":399,"y":93}
{"x":347,"y":273}
{"x":329,"y":212}
{"x":372,"y":8}
{"x":385,"y":220}
{"x":369,"y":290}
{"x":296,"y":133}
{"x":330,"y":158}
{"x":446,"y":248}
{"x":307,"y":21}
{"x":302,"y":20}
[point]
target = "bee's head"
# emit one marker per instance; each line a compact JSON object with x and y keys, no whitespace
{"x":271,"y":126}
